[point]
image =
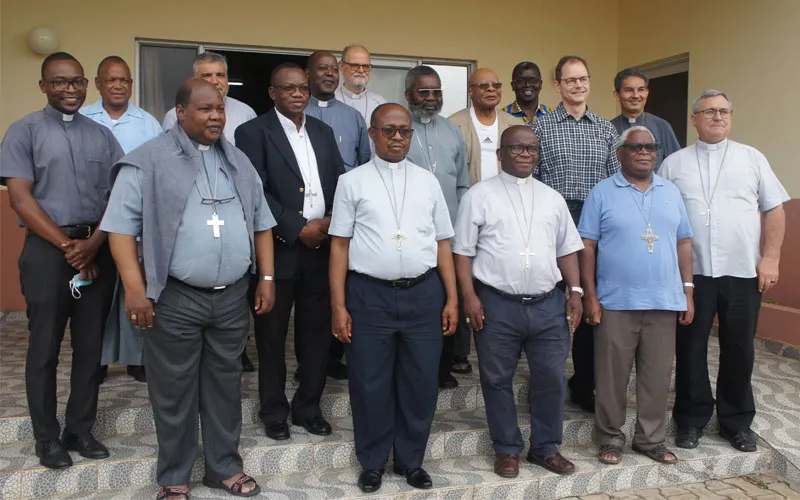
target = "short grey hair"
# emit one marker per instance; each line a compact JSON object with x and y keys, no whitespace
{"x":628,"y":132}
{"x":707,"y":94}
{"x":209,"y":57}
{"x":355,"y":46}
{"x":422,"y":70}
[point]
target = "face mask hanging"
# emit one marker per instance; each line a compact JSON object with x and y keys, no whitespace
{"x":75,"y":283}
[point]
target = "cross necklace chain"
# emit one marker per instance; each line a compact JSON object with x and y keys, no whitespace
{"x":426,"y":152}
{"x":648,"y":236}
{"x":398,"y":235}
{"x":528,"y":220}
{"x":215,"y":222}
{"x":309,"y":189}
{"x":709,"y":198}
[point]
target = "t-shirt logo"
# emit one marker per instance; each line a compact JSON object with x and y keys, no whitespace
{"x":488,"y":140}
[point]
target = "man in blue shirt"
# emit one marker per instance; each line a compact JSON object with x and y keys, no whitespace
{"x":637,"y":239}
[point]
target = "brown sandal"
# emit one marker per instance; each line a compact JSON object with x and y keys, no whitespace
{"x":166,"y":492}
{"x":554,"y":463}
{"x":236,"y":488}
{"x":659,"y":454}
{"x":610,"y":450}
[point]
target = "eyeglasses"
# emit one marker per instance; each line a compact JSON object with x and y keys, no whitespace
{"x":118,"y":81}
{"x":724,"y":113}
{"x":636,"y":147}
{"x":390,"y":132}
{"x":571,"y":82}
{"x":358,"y":67}
{"x":429,"y":92}
{"x":214,"y":201}
{"x":527,"y":82}
{"x":292,"y":89}
{"x":517,"y":149}
{"x":485,"y":85}
{"x":62,"y":84}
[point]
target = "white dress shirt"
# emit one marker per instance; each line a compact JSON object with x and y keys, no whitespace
{"x":236,"y":113}
{"x":490,"y":227}
{"x":747,"y":186}
{"x":488,"y":137}
{"x":314,"y":201}
{"x":363,"y":211}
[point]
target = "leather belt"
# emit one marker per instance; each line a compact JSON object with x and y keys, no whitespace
{"x":519,"y":299}
{"x":78,"y":231}
{"x":200,"y":288}
{"x":402,"y":284}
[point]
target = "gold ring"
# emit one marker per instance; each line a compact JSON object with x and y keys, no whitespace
{"x":133,"y":316}
{"x":467,"y":320}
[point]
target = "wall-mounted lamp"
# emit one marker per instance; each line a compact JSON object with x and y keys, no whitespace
{"x":43,"y":40}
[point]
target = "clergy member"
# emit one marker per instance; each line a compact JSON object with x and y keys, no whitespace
{"x":356,"y":66}
{"x":298,"y":160}
{"x":578,"y":151}
{"x":438,"y":145}
{"x":526,"y":82}
{"x":205,"y":225}
{"x":631,"y":88}
{"x":393,"y":293}
{"x":515,"y":240}
{"x":482,"y":124}
{"x":727,"y":187}
{"x":634,"y":226}
{"x":132,"y":126}
{"x":55,"y":163}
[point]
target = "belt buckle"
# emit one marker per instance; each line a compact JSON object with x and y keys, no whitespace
{"x":397,"y":284}
{"x":221,"y":287}
{"x":526,"y":300}
{"x":88,"y":231}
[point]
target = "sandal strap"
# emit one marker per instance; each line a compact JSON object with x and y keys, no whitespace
{"x":166,"y":492}
{"x":236,"y":487}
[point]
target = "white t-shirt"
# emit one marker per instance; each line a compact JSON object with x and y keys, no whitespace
{"x":487,"y":135}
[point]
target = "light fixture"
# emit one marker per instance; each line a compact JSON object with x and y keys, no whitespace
{"x":43,"y":40}
{"x":236,"y":84}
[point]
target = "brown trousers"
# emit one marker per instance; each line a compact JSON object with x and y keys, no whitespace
{"x":648,"y":338}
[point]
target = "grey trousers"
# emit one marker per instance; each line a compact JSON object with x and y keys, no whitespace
{"x":648,"y":338}
{"x":193,"y":367}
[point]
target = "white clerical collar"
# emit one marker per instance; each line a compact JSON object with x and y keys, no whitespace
{"x":704,"y":146}
{"x":67,"y":118}
{"x":380,"y":162}
{"x":515,"y":180}
{"x":289,"y":124}
{"x":203,"y":147}
{"x":352,"y":95}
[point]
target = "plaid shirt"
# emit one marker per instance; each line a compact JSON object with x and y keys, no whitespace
{"x":576,"y":154}
{"x":514,"y":110}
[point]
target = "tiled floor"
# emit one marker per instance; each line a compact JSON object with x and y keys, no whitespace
{"x":755,"y":487}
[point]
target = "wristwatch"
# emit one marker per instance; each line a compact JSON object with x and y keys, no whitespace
{"x":577,"y":290}
{"x":266,"y":277}
{"x":688,"y":284}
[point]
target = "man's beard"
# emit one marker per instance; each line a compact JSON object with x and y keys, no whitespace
{"x":360,"y":83}
{"x":422,"y":112}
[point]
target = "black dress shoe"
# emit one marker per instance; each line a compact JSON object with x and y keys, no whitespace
{"x":742,"y":441}
{"x":370,"y":480}
{"x":416,"y":477}
{"x":138,"y":374}
{"x":279,"y":431}
{"x":247,"y":365}
{"x":85,"y":444}
{"x":447,"y":381}
{"x":584,"y":403}
{"x":315,"y":425}
{"x":337,"y":370}
{"x":688,"y":437}
{"x":52,"y":454}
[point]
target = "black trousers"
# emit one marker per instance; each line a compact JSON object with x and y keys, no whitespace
{"x":309,"y":292}
{"x":737,"y":301}
{"x":45,"y":276}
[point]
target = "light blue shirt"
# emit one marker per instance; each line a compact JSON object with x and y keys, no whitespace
{"x":135,"y":127}
{"x":629,"y":278}
{"x":349,"y":129}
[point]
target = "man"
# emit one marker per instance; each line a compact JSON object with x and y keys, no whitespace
{"x":298,"y":160}
{"x":482,"y":124}
{"x":393,"y":290}
{"x":526,"y":82}
{"x":727,"y":188}
{"x":578,"y":151}
{"x":634,"y":225}
{"x":631,"y":91}
{"x":508,"y":275}
{"x":198,"y":204}
{"x":132,"y":126}
{"x":438,"y":146}
{"x":355,"y":67}
{"x":55,"y":163}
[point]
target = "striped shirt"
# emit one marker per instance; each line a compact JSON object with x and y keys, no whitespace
{"x":514,"y":110}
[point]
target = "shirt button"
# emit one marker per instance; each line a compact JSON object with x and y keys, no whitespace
{"x":301,"y":190}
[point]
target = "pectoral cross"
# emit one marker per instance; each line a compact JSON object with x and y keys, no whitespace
{"x":399,"y":236}
{"x":215,"y":222}
{"x":650,"y":238}
{"x":708,"y":217}
{"x":527,"y":253}
{"x":311,"y":195}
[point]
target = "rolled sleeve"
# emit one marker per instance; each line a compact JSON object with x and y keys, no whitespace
{"x":771,"y":192}
{"x":468,"y":224}
{"x":343,"y":218}
{"x":569,"y":241}
{"x":124,"y":211}
{"x":441,"y":215}
{"x":589,"y":225}
{"x":16,"y":154}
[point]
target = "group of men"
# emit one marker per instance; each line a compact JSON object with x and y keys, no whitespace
{"x":402,"y":233}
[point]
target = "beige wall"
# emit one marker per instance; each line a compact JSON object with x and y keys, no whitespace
{"x":498,"y":34}
{"x":746,"y":48}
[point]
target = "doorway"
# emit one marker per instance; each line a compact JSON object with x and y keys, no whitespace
{"x":669,"y":92}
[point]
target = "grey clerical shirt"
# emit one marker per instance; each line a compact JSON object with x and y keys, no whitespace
{"x":198,"y":258}
{"x":349,"y":129}
{"x":438,"y":145}
{"x":67,"y":158}
{"x":660,"y":128}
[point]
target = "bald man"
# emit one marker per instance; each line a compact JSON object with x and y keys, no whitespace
{"x":482,"y":124}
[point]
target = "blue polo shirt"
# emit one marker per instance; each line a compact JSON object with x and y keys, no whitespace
{"x":135,"y":127}
{"x":629,"y":278}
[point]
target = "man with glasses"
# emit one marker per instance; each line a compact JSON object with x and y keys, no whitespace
{"x":482,"y":124}
{"x":578,"y":151}
{"x":298,"y":159}
{"x":727,"y":187}
{"x":526,"y":82}
{"x":637,"y":273}
{"x":55,"y":163}
{"x":393,"y":290}
{"x":355,"y":67}
{"x":515,"y":240}
{"x":132,"y":126}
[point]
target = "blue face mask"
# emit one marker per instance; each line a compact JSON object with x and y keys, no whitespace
{"x":75,"y":283}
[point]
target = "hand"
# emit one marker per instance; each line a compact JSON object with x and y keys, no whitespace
{"x":767,"y":271}
{"x":90,"y":271}
{"x":312,"y":234}
{"x":473,"y":310}
{"x":265,"y":296}
{"x":139,"y":309}
{"x":79,"y":252}
{"x":342,"y":325}
{"x":592,"y":310}
{"x":450,"y":317}
{"x":686,"y":317}
{"x":574,"y":311}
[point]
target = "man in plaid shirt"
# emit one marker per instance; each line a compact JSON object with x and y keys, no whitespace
{"x":577,"y":152}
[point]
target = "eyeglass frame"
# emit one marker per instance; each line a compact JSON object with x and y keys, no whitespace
{"x":393,"y":132}
{"x":61,"y":84}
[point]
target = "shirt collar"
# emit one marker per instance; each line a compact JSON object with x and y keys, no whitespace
{"x":323,"y":104}
{"x":288,"y":124}
{"x":381,"y":163}
{"x":638,"y":121}
{"x":97,"y":108}
{"x":346,"y":92}
{"x":621,"y":181}
{"x":561,"y":113}
{"x":58,"y":115}
{"x":515,"y":180}
{"x":416,"y":119}
{"x":704,"y":146}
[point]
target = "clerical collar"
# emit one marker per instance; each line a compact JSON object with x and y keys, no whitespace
{"x":289,"y":124}
{"x":515,"y":180}
{"x":200,"y":147}
{"x":323,"y":104}
{"x":704,"y":146}
{"x":380,"y":162}
{"x":352,"y":95}
{"x":634,"y":121}
{"x":58,"y":114}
